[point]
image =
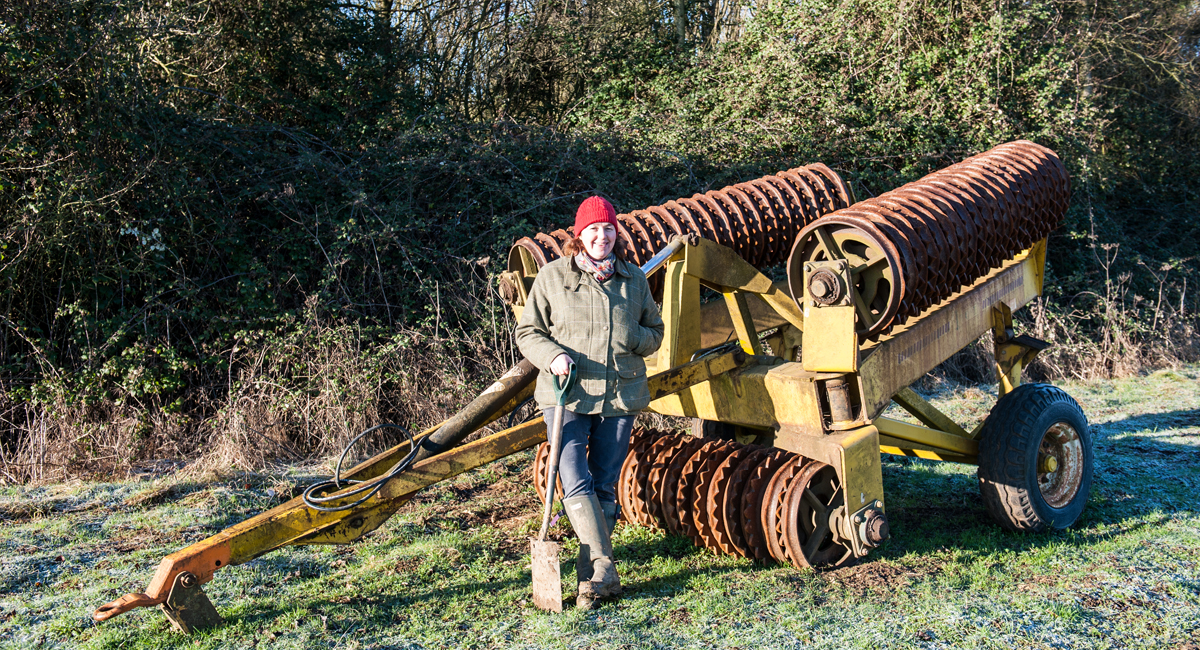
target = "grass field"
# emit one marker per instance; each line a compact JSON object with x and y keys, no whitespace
{"x":450,"y":570}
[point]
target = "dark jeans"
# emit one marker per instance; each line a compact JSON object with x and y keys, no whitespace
{"x":593,"y":450}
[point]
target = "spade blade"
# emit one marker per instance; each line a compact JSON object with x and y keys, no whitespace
{"x":547,"y":575}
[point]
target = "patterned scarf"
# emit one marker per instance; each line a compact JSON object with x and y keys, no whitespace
{"x":600,"y":269}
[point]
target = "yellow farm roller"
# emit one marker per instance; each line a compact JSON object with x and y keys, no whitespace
{"x":786,"y":380}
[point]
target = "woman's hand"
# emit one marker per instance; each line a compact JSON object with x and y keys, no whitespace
{"x":561,"y":365}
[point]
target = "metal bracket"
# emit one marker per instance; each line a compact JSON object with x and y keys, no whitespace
{"x":188,"y":608}
{"x":1013,"y":353}
{"x":830,"y":340}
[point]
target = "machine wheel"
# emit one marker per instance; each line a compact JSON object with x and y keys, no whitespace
{"x":712,"y":430}
{"x":1035,"y":459}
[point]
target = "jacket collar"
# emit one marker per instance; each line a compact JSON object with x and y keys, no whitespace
{"x":572,"y":283}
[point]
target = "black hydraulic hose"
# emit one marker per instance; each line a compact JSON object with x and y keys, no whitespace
{"x":716,"y":349}
{"x":316,"y":502}
{"x":449,"y":434}
{"x":512,"y":417}
{"x":446,"y":436}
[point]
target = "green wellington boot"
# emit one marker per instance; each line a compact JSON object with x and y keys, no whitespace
{"x":610,"y":518}
{"x":594,"y":567}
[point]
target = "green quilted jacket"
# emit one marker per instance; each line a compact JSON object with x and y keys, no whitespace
{"x":606,"y":328}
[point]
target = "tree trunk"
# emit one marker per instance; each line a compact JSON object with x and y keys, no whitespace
{"x":680,"y":22}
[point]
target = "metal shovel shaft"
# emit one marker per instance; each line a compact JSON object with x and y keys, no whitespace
{"x":555,"y":434}
{"x":547,"y":573}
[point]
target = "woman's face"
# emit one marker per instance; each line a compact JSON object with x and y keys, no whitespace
{"x":598,"y":240}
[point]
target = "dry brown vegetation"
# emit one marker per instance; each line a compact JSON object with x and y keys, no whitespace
{"x":288,"y":399}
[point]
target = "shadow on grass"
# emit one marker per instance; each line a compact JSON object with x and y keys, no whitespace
{"x":1155,"y":422}
{"x":1139,"y":480}
{"x":680,"y":548}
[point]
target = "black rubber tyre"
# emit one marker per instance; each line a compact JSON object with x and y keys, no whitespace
{"x":713,"y":430}
{"x":1035,"y":459}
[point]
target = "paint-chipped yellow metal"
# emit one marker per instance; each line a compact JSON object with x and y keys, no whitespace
{"x":896,"y":447}
{"x":910,"y":401}
{"x":855,"y":452}
{"x":925,"y":436}
{"x":673,"y":380}
{"x":929,"y":442}
{"x":681,"y":305}
{"x":293,"y":521}
{"x":830,"y":342}
{"x":1013,"y":353}
{"x":861,"y":474}
{"x":743,"y":324}
{"x":914,"y":349}
{"x":785,"y":396}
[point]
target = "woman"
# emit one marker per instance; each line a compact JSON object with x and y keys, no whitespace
{"x":593,"y":309}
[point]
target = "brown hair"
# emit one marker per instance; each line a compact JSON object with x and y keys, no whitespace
{"x":575,"y":247}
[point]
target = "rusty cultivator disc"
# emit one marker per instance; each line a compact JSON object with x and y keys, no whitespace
{"x":538,"y":473}
{"x":715,"y":533}
{"x":915,"y":246}
{"x":764,"y":504}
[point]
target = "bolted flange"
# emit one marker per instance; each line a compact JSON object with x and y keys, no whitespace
{"x":825,"y":287}
{"x":872,"y":527}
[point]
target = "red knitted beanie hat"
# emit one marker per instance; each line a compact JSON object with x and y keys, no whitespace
{"x":594,"y":209}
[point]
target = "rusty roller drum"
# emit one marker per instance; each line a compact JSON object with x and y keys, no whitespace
{"x":742,"y":500}
{"x":667,"y":492}
{"x":771,"y":514}
{"x":628,"y":492}
{"x":692,"y":495}
{"x":730,"y":496}
{"x":715,"y":526}
{"x":654,"y":487}
{"x":914,"y":246}
{"x":758,"y":219}
{"x":813,"y":494}
{"x":537,"y":472}
{"x":639,"y":479}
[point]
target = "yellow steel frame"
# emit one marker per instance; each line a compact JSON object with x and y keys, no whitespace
{"x":921,"y":344}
